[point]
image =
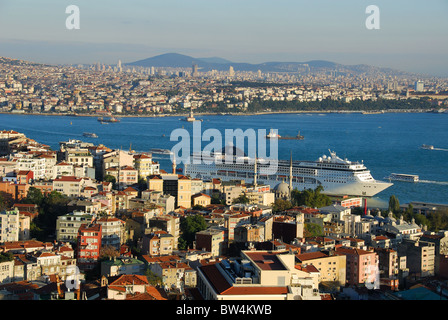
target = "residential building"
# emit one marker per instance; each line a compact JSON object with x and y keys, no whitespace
{"x":362,"y":267}
{"x":7,"y":272}
{"x":168,"y":223}
{"x":9,"y":225}
{"x":288,"y":228}
{"x":113,"y":231}
{"x":388,"y":267}
{"x":69,"y":185}
{"x":200,"y":199}
{"x":122,"y":266}
{"x":258,"y":275}
{"x":178,"y":186}
{"x":420,"y":256}
{"x":175,"y":275}
{"x":212,"y":240}
{"x":133,"y":287}
{"x":88,"y":245}
{"x":67,"y":225}
{"x":331,"y":266}
{"x":157,"y":243}
{"x":145,"y":166}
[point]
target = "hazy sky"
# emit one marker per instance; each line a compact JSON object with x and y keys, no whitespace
{"x":413,"y":35}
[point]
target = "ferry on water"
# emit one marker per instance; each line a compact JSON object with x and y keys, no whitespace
{"x":273,"y":135}
{"x":108,"y":119}
{"x":90,"y":135}
{"x":403,"y":177}
{"x":337,"y":176}
{"x":160,"y":151}
{"x":427,"y":147}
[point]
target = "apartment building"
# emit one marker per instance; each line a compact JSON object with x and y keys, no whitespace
{"x":258,"y":275}
{"x":69,"y":185}
{"x":331,"y":266}
{"x":88,"y":245}
{"x":9,"y":225}
{"x":420,"y":256}
{"x":113,"y":231}
{"x":362,"y":267}
{"x":67,"y":226}
{"x":145,"y":166}
{"x":212,"y":240}
{"x":157,"y":243}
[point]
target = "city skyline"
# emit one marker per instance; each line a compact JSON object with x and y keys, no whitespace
{"x":412,"y":36}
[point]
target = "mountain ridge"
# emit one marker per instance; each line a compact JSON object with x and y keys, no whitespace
{"x":176,"y":60}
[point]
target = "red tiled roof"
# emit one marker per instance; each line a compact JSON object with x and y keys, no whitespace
{"x":150,"y":259}
{"x":151,"y":293}
{"x":352,"y":251}
{"x":130,"y":279}
{"x":265,"y":260}
{"x":215,"y":278}
{"x":311,"y":255}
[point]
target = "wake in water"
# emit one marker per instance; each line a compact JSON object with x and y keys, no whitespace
{"x":445,"y":183}
{"x":440,"y":149}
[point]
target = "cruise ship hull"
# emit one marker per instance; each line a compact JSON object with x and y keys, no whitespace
{"x":358,"y":189}
{"x":336,"y":176}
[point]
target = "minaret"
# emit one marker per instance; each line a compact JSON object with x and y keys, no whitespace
{"x":255,"y":172}
{"x":174,"y":165}
{"x":290,"y":173}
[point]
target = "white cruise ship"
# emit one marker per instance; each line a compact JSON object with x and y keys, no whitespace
{"x":337,"y":176}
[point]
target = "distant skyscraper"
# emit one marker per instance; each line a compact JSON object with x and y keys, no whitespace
{"x":119,"y":66}
{"x":195,"y":71}
{"x":231,"y":71}
{"x":419,"y":86}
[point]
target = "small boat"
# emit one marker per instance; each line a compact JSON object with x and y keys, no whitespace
{"x":427,"y":147}
{"x":90,"y":135}
{"x":160,"y":151}
{"x":109,"y":119}
{"x":273,"y":135}
{"x":297,"y":137}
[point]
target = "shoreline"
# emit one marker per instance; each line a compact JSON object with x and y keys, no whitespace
{"x":366,"y":112}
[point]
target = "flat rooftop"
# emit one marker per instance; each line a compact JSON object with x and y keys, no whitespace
{"x":266,"y":260}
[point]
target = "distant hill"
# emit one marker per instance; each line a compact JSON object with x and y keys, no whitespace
{"x":176,"y":60}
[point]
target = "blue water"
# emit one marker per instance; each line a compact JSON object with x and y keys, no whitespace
{"x":387,"y":143}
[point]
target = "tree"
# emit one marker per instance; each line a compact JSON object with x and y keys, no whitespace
{"x":189,"y":226}
{"x":311,"y":198}
{"x":216,"y":199}
{"x":5,"y":201}
{"x":241,"y":199}
{"x":142,"y":183}
{"x":394,"y":204}
{"x":107,"y":252}
{"x":313,"y":230}
{"x":281,"y":205}
{"x":109,"y":178}
{"x":6,"y":256}
{"x":53,"y":205}
{"x":153,"y":278}
{"x":34,"y":196}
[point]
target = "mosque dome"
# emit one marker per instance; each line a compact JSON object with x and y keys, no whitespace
{"x":282,"y":190}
